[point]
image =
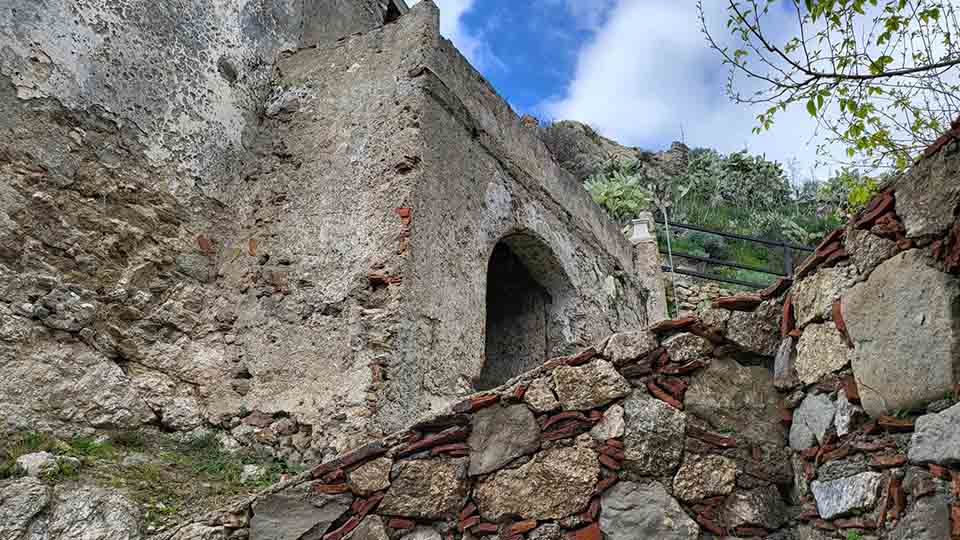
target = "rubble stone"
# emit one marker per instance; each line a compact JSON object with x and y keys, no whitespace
{"x":539,"y":396}
{"x":761,"y":507}
{"x":653,"y":436}
{"x":821,"y":350}
{"x":756,"y":331}
{"x":632,"y":510}
{"x":813,"y":296}
{"x":628,"y":346}
{"x":936,"y":438}
{"x":290,"y":514}
{"x":784,"y":370}
{"x":687,"y":347}
{"x":427,"y":489}
{"x":499,"y":435}
{"x":372,"y":476}
{"x":589,"y":386}
{"x":704,"y":476}
{"x":845,"y":496}
{"x":811,"y":421}
{"x":611,"y":426}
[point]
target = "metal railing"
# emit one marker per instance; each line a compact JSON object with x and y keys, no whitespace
{"x":787,"y":248}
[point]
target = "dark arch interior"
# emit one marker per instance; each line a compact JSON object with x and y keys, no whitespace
{"x":523,"y":284}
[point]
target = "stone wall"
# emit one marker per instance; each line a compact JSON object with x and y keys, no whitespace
{"x":241,"y":217}
{"x":693,"y":293}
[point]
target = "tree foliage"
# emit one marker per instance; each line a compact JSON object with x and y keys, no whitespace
{"x":880,"y":76}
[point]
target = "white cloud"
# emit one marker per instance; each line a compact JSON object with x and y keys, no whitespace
{"x":647,"y":77}
{"x":470,"y":43}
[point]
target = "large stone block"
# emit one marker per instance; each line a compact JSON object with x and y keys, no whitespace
{"x":927,"y":197}
{"x":937,"y":438}
{"x":704,"y":476}
{"x":756,"y":331}
{"x":499,"y":435}
{"x":290,"y":514}
{"x":427,"y":489}
{"x":905,"y":328}
{"x":627,"y":346}
{"x":813,"y":296}
{"x":556,"y":483}
{"x":653,"y":435}
{"x":589,"y":386}
{"x":821,"y":350}
{"x":631,"y":511}
{"x":738,"y":399}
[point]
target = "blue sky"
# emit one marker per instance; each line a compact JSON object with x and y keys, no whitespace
{"x":639,"y":71}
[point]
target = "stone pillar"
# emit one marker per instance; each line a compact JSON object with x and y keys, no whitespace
{"x":646,"y":261}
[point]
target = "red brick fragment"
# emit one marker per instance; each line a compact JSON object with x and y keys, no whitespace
{"x":591,"y":532}
{"x":711,"y":438}
{"x":401,"y":524}
{"x":593,"y":511}
{"x":469,"y":522}
{"x":635,"y":371}
{"x":854,"y":523}
{"x":615,"y":443}
{"x":609,"y":462}
{"x":905,"y":244}
{"x":955,"y":519}
{"x":675,"y":324}
{"x":787,"y":320}
{"x":449,"y":448}
{"x":519,"y":392}
{"x":566,"y":431}
{"x":451,"y":435}
{"x":616,"y":453}
{"x":675,"y":387}
{"x":850,"y":388}
{"x":823,"y":525}
{"x":604,"y":484}
{"x":569,"y":415}
{"x":813,"y":261}
{"x":871,"y":428}
{"x":402,"y":212}
{"x":894,"y":424}
{"x":745,"y":531}
{"x":776,"y":288}
{"x":380,"y":279}
{"x":663,"y":396}
{"x":370,"y":451}
{"x":335,"y":477}
{"x":888,"y":225}
{"x":833,"y":236}
{"x":474,"y":404}
{"x":739,"y":302}
{"x":832,"y":455}
{"x":898,"y":499}
{"x":871,"y":446}
{"x":841,"y":325}
{"x":685,"y":369}
{"x":888,"y":461}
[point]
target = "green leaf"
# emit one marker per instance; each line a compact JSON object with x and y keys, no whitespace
{"x":812,"y":108}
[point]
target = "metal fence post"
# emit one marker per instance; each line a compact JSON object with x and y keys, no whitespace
{"x":787,"y":260}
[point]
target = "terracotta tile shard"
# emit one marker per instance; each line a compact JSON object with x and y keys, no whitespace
{"x":906,"y":244}
{"x":465,"y":524}
{"x":635,"y":371}
{"x":605,"y":484}
{"x":739,"y":302}
{"x":468,"y":510}
{"x":519,"y":392}
{"x":593,"y":511}
{"x":939,"y":471}
{"x":708,"y":524}
{"x":616,"y":453}
{"x":796,"y":333}
{"x":850,"y":389}
{"x":854,"y":523}
{"x":615,"y":443}
{"x":400,"y":524}
{"x":823,"y":525}
{"x":786,"y":416}
{"x":521,"y":527}
{"x":609,"y":462}
{"x":591,"y":532}
{"x":744,"y":531}
{"x":402,"y":212}
{"x":444,"y":448}
{"x":884,"y":205}
{"x":331,"y":489}
{"x":833,"y":236}
{"x":452,"y":435}
{"x":787,"y":320}
{"x":344,"y":529}
{"x":888,"y":462}
{"x":894,"y":424}
{"x":898,"y":499}
{"x":675,"y":387}
{"x":205,"y":245}
{"x":663,"y":396}
{"x":956,"y":484}
{"x":871,"y":446}
{"x":871,"y":428}
{"x":486,"y":528}
{"x":370,"y":451}
{"x":832,"y":455}
{"x":685,"y":369}
{"x":841,"y":325}
{"x":955,"y":518}
{"x":335,"y":477}
{"x":560,"y":417}
{"x":813,"y":261}
{"x":675,"y":324}
{"x":707,"y":333}
{"x":711,"y":438}
{"x":565,"y":432}
{"x":378,"y":279}
{"x":474,"y":404}
{"x":582,"y":358}
{"x":776,"y":288}
{"x":661,"y":360}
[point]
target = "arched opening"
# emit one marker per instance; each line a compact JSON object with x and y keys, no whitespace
{"x":526,"y":293}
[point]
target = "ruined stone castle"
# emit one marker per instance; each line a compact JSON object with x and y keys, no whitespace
{"x":313,"y":229}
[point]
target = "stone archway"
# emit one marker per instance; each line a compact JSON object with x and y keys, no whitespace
{"x":526,"y":292}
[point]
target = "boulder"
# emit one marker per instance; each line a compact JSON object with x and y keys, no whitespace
{"x":290,"y":514}
{"x":372,"y":476}
{"x":687,"y":347}
{"x":539,"y":396}
{"x":589,"y":386}
{"x":628,"y":346}
{"x":760,"y":507}
{"x":704,"y":476}
{"x":811,"y":421}
{"x":21,"y":501}
{"x":427,"y":489}
{"x":903,"y":325}
{"x":929,"y":519}
{"x":821,"y":350}
{"x":554,"y":484}
{"x":813,"y":296}
{"x":936,"y":438}
{"x":653,"y":435}
{"x":37,"y":464}
{"x":611,"y":426}
{"x":736,"y":398}
{"x":845,"y":496}
{"x":756,"y":331}
{"x":784,"y":366}
{"x":371,"y":528}
{"x":630,"y":511}
{"x":499,"y":435}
